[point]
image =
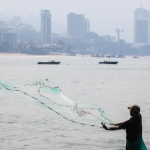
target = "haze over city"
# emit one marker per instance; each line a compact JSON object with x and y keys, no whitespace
{"x":105,"y":16}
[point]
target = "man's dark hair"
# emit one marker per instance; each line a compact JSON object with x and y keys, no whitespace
{"x":136,"y":109}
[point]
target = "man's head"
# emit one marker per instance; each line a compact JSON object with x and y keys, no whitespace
{"x":135,"y":110}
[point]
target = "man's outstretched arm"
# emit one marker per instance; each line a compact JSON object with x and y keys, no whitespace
{"x":111,"y":128}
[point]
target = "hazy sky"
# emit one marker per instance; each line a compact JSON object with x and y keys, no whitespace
{"x":104,"y":15}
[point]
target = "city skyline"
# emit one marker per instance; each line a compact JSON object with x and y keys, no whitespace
{"x":140,"y":14}
{"x":25,"y":39}
{"x":105,"y":17}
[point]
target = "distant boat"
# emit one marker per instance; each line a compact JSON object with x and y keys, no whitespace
{"x":135,"y":57}
{"x":109,"y":62}
{"x":97,"y":55}
{"x":53,"y":62}
{"x":112,"y":56}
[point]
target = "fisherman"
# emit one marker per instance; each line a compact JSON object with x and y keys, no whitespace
{"x":133,"y":128}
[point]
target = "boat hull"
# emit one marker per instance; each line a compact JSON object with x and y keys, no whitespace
{"x":48,"y":63}
{"x":113,"y":62}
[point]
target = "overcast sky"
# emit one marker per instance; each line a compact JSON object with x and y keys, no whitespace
{"x":104,"y":15}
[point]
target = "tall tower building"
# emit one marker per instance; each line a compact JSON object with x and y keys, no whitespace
{"x":141,"y":26}
{"x":45,"y":27}
{"x":77,"y":25}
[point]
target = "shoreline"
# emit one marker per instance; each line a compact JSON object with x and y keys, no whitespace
{"x":49,"y":55}
{"x":55,"y":55}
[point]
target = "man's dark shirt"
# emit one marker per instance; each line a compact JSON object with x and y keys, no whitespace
{"x":133,"y":128}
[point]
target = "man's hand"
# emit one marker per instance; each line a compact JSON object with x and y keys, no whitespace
{"x":129,"y":107}
{"x":104,"y":126}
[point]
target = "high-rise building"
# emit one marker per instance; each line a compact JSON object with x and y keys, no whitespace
{"x":141,"y":26}
{"x":8,"y":38}
{"x":77,"y":25}
{"x":45,"y":27}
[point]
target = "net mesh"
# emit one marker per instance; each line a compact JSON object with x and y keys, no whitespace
{"x":53,"y":99}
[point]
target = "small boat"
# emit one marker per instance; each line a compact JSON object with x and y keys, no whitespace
{"x":135,"y":57}
{"x":53,"y":62}
{"x":112,"y":56}
{"x":97,"y":55}
{"x":109,"y":62}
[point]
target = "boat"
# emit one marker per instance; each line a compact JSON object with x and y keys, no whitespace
{"x":97,"y":55}
{"x":53,"y":62}
{"x":112,"y":56}
{"x":109,"y":62}
{"x":135,"y":57}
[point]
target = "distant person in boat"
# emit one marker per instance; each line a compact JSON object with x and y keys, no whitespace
{"x":133,"y":128}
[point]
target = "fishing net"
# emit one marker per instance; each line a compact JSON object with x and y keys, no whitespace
{"x":53,"y":99}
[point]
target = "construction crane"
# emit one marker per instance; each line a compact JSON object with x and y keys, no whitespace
{"x":118,"y":31}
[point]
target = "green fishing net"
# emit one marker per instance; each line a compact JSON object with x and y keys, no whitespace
{"x":7,"y":86}
{"x":53,"y":99}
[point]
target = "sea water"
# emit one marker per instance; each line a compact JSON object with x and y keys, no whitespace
{"x":26,"y":125}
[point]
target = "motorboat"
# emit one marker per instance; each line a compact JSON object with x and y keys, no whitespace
{"x":109,"y":62}
{"x":135,"y":57}
{"x":53,"y":62}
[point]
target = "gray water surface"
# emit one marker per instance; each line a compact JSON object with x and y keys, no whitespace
{"x":26,"y":125}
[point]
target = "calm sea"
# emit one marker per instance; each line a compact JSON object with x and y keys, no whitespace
{"x":26,"y":125}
